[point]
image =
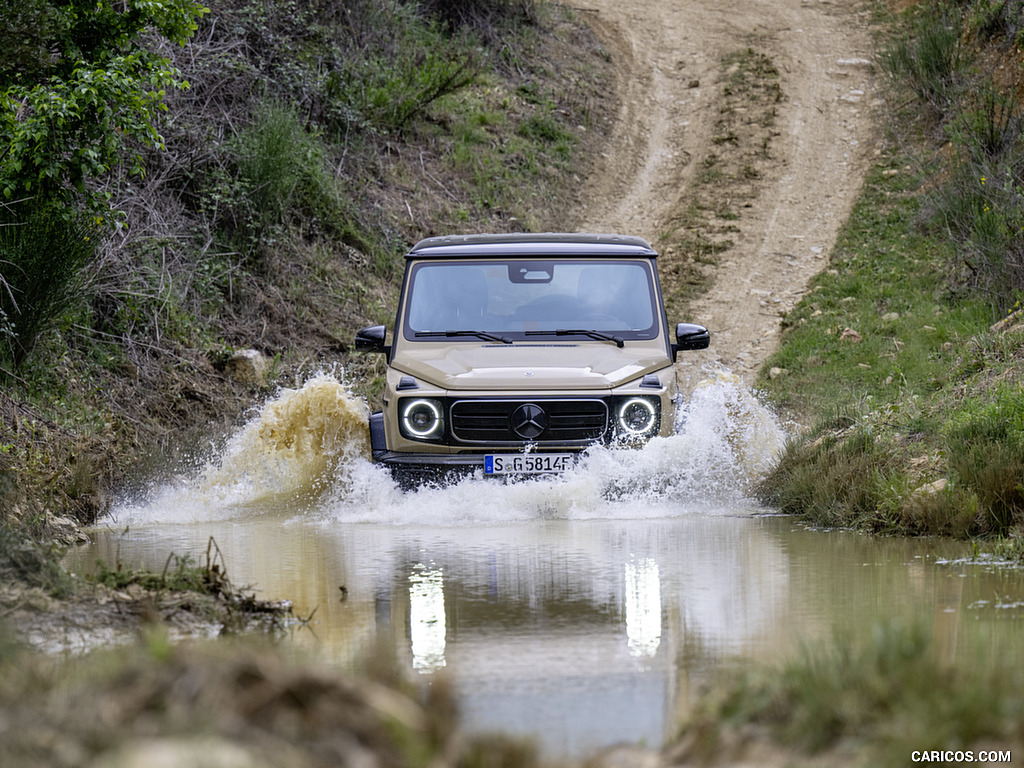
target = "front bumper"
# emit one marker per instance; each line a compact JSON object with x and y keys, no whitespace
{"x":436,"y":461}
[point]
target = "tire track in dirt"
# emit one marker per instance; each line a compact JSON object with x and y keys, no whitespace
{"x":670,"y":60}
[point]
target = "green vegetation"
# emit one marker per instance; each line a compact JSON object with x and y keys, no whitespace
{"x":872,"y":702}
{"x":313,"y":141}
{"x":914,"y":402}
{"x":904,"y":362}
{"x":179,"y":573}
{"x":32,"y":561}
{"x":80,"y":90}
{"x":43,"y":255}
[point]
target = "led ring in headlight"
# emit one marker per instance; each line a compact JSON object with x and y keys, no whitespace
{"x":422,"y":418}
{"x":637,"y":416}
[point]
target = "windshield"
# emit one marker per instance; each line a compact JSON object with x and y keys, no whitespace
{"x":518,"y":298}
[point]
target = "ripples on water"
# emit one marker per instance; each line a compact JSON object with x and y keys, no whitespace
{"x":309,"y":448}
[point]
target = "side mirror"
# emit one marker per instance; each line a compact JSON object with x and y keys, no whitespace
{"x":690,"y":336}
{"x":372,"y":339}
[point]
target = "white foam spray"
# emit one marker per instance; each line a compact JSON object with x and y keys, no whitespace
{"x":307,"y":453}
{"x":302,"y":443}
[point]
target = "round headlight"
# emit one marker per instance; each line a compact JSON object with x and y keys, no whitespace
{"x":422,"y":418}
{"x":637,"y":417}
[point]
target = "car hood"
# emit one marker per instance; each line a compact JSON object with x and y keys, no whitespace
{"x":531,"y":366}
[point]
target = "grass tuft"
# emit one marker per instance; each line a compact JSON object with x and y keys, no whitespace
{"x":878,"y":699}
{"x":42,"y":254}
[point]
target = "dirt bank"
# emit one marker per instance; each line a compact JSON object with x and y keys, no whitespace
{"x":766,"y":178}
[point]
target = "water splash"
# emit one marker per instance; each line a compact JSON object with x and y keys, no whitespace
{"x":725,"y":440}
{"x":302,"y":443}
{"x":307,"y":452}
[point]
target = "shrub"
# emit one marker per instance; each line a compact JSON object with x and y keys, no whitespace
{"x":981,"y":207}
{"x":838,"y":479}
{"x":279,"y":165}
{"x":32,"y":560}
{"x":278,"y":178}
{"x":862,"y":702}
{"x":986,"y":452}
{"x":86,"y":96}
{"x":364,"y":66}
{"x":483,"y":16}
{"x":928,"y":57}
{"x":42,"y":255}
{"x":407,"y":66}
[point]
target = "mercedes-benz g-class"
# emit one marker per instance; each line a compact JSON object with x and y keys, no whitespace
{"x":512,"y":354}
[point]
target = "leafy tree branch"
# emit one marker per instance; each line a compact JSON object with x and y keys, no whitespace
{"x":80,"y":87}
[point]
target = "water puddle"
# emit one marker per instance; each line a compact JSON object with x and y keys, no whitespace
{"x":581,"y":610}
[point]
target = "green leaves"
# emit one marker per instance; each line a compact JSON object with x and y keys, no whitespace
{"x":91,"y":106}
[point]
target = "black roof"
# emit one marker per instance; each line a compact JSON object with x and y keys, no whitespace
{"x":531,"y":244}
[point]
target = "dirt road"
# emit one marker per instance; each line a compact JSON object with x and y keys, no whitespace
{"x":748,"y":182}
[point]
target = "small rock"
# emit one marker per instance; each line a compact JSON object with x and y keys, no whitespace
{"x":774,"y":373}
{"x":891,"y":317}
{"x":248,"y":365}
{"x":1007,"y":322}
{"x":65,"y":531}
{"x":930,"y":489}
{"x":851,"y":336}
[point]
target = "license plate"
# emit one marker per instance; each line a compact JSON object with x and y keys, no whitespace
{"x":526,"y":463}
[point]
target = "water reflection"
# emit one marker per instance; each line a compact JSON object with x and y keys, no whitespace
{"x":590,"y":632}
{"x":643,"y":607}
{"x":427,"y":621}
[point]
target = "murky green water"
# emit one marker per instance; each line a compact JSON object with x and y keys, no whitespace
{"x":582,"y":611}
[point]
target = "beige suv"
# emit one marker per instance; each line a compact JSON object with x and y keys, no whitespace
{"x":513,"y":353}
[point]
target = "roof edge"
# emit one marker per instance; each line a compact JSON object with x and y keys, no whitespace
{"x":560,"y":240}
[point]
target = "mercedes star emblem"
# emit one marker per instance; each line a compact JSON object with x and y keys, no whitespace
{"x":529,"y":421}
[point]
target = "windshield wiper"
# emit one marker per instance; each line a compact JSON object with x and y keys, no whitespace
{"x":479,"y":334}
{"x":580,"y":332}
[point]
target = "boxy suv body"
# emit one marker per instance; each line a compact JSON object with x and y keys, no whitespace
{"x":511,"y":354}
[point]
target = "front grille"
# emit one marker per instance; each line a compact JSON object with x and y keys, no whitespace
{"x":493,"y":421}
